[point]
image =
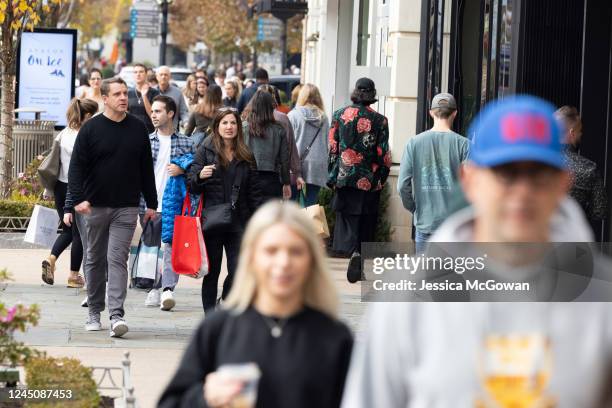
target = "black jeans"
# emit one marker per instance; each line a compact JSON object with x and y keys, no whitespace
{"x":69,"y":234}
{"x":271,"y":188}
{"x":214,"y":246}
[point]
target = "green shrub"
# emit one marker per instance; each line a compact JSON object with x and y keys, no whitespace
{"x":20,"y":208}
{"x":383,"y":226}
{"x":62,"y":374}
{"x":107,"y":72}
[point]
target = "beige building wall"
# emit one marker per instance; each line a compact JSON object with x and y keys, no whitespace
{"x":392,"y":62}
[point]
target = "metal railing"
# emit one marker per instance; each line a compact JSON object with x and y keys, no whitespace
{"x":30,"y":138}
{"x":124,"y":392}
{"x":14,"y":224}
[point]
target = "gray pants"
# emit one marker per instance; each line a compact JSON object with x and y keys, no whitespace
{"x":109,"y":233}
{"x":81,"y":223}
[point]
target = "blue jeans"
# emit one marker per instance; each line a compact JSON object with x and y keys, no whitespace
{"x":169,"y":278}
{"x":420,"y":241}
{"x":312,"y":194}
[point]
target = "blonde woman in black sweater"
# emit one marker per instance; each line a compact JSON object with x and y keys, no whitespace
{"x":281,"y":315}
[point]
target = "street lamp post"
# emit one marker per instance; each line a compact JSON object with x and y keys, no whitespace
{"x":164,"y":30}
{"x":283,"y":10}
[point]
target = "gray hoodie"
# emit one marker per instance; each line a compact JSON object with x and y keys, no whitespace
{"x":306,"y":122}
{"x":431,"y":354}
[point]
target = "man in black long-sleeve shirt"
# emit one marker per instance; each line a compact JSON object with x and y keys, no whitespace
{"x":111,"y":165}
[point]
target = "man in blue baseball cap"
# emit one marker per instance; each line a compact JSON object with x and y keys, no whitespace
{"x":431,"y":354}
{"x":516,"y":179}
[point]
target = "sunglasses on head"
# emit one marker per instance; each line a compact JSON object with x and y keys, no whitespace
{"x":227,"y":108}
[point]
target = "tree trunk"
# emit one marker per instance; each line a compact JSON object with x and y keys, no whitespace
{"x":7,"y":105}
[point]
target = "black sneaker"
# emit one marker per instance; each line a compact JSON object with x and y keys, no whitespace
{"x":353,"y":272}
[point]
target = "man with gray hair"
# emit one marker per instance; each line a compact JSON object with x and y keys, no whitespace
{"x":166,"y":88}
{"x":428,"y":178}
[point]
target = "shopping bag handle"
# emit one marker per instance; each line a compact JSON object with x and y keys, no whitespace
{"x":302,"y":196}
{"x":187,"y":205}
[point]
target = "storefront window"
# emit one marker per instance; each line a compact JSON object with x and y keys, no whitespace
{"x":486,"y":39}
{"x":505,"y":48}
{"x":363,"y":32}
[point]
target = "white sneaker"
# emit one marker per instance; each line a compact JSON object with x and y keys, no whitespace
{"x":153,"y":298}
{"x":167,"y":300}
{"x":93,"y":323}
{"x":118,"y":328}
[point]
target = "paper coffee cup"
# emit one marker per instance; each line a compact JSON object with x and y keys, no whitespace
{"x":248,"y":374}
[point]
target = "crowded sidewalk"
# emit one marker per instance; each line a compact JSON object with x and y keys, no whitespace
{"x":156,"y":340}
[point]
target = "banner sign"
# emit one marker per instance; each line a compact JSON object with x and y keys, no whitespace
{"x":46,"y":73}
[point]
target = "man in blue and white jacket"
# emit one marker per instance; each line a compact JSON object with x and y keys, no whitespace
{"x":167,"y":147}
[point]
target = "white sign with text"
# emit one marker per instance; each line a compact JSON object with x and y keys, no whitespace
{"x":46,"y":74}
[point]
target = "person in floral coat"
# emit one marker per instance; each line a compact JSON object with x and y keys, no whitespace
{"x":359,"y":164}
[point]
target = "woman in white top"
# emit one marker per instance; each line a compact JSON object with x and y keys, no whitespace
{"x":93,"y":92}
{"x":79,"y":111}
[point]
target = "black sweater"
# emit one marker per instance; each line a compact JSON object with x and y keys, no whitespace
{"x":112,"y":164}
{"x":215,"y":188}
{"x":304,"y":368}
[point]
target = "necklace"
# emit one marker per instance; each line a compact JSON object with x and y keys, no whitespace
{"x":276,"y":328}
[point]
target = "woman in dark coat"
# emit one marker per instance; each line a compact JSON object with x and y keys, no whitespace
{"x":267,"y":139}
{"x":224,"y":172}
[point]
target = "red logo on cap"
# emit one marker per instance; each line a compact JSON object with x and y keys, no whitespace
{"x":526,"y":126}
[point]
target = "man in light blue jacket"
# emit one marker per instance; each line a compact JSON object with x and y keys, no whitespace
{"x":428,"y":181}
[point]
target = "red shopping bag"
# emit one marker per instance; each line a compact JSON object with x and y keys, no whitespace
{"x":189,"y":256}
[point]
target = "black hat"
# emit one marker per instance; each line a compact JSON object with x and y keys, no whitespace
{"x":365,"y":84}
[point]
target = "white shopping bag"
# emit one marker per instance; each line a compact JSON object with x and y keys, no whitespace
{"x":42,"y":229}
{"x":147,"y":262}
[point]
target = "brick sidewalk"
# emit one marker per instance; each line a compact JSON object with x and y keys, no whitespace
{"x":156,"y":339}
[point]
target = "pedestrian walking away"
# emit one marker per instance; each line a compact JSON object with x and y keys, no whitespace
{"x":587,"y":184}
{"x":428,"y":181}
{"x":281,"y":317}
{"x":79,"y":112}
{"x":224,"y":173}
{"x":268,"y":141}
{"x":359,"y":164}
{"x":261,"y":78}
{"x":110,"y":167}
{"x":172,"y":154}
{"x":311,"y":127}
{"x":295,"y":169}
{"x":140,"y":97}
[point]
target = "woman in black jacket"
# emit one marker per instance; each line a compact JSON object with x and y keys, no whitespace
{"x":224,"y":172}
{"x":280,"y":316}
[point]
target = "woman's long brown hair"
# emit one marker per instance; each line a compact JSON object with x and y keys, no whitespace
{"x":211,"y":102}
{"x":240,"y":149}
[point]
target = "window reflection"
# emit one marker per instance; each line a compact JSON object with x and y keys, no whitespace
{"x":505,"y":48}
{"x":363,"y":32}
{"x":486,"y":34}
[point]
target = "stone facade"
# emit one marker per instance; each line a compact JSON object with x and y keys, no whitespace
{"x":389,"y":55}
